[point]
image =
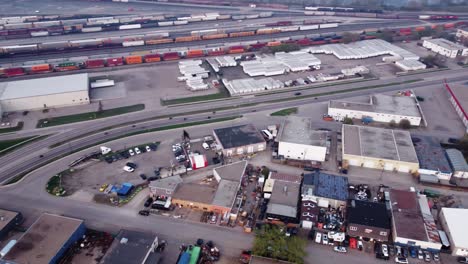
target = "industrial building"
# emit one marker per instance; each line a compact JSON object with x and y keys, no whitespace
{"x":410,"y":65}
{"x":432,"y":159}
{"x":298,"y":141}
{"x":325,"y":189}
{"x":133,"y":247}
{"x":217,"y":196}
{"x":368,"y":220}
{"x":44,"y":93}
{"x":239,"y":140}
{"x":462,"y":34}
{"x":46,"y":240}
{"x":412,"y":221}
{"x":251,"y":85}
{"x":459,"y":98}
{"x":378,"y":148}
{"x":8,"y":221}
{"x":193,"y":74}
{"x":283,"y":203}
{"x":309,"y":214}
{"x":453,"y":221}
{"x":381,"y":108}
{"x":445,"y":47}
{"x":459,"y":167}
{"x":165,"y":186}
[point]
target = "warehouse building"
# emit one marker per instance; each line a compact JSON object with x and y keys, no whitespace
{"x":251,"y":85}
{"x":410,"y":65}
{"x":165,"y":186}
{"x":239,"y":140}
{"x":368,"y":220}
{"x":325,"y":189}
{"x":216,"y":196}
{"x":459,"y":167}
{"x":412,"y":221}
{"x":381,"y":108}
{"x":379,"y":148}
{"x":283,"y":203}
{"x":44,"y":93}
{"x":46,"y":240}
{"x":432,"y":159}
{"x":8,"y":221}
{"x":459,"y":98}
{"x":453,"y":221}
{"x":133,"y":247}
{"x":462,"y":34}
{"x":298,"y":141}
{"x":445,"y":47}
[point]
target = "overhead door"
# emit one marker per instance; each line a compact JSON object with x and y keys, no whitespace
{"x":354,"y":162}
{"x":369,"y":164}
{"x":403,"y":169}
{"x":388,"y":166}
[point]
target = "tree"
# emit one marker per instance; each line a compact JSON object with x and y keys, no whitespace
{"x":271,"y":242}
{"x":392,"y":123}
{"x":405,"y":124}
{"x":348,"y":121}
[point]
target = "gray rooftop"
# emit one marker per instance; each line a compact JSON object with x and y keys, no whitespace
{"x":456,"y":160}
{"x":44,"y":239}
{"x":134,"y":250}
{"x":281,"y":209}
{"x":330,"y":186}
{"x":299,"y":130}
{"x":233,"y":171}
{"x":285,"y":193}
{"x":378,"y":143}
{"x":168,"y":183}
{"x":446,"y":44}
{"x":226,"y":193}
{"x":44,"y":86}
{"x":431,"y":155}
{"x":238,"y":136}
{"x":7,"y":217}
{"x":381,"y":103}
{"x":460,"y":92}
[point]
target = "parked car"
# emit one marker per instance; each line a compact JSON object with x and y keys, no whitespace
{"x":153,"y":178}
{"x":103,"y":187}
{"x":131,"y":164}
{"x":384,"y":249}
{"x":325,"y":239}
{"x":413,"y":252}
{"x":143,"y":176}
{"x":360,"y":246}
{"x":205,"y":146}
{"x":109,"y":160}
{"x":130,"y":151}
{"x":454,"y":140}
{"x":340,"y":249}
{"x":128,"y":169}
{"x":462,"y":259}
{"x":153,"y":146}
{"x":148,"y":202}
{"x":297,"y":94}
{"x":318,"y":237}
{"x":142,"y":149}
{"x":401,"y":260}
{"x":398,"y":250}
{"x":148,"y":149}
{"x":137,"y":150}
{"x":213,"y":219}
{"x":427,"y":256}
{"x":404,"y":252}
{"x":144,"y":212}
{"x":420,"y":254}
{"x":436,"y":256}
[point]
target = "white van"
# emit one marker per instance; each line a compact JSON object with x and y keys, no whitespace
{"x":267,"y":135}
{"x":318,"y":237}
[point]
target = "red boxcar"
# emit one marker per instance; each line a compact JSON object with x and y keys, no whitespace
{"x":171,"y":56}
{"x":10,"y":72}
{"x":216,"y":52}
{"x":304,"y":42}
{"x":114,"y":62}
{"x":99,"y":63}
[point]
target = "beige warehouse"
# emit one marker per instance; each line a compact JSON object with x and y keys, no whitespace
{"x":379,"y":148}
{"x":44,"y":93}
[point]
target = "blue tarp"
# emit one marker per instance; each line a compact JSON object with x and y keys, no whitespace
{"x":125,"y":189}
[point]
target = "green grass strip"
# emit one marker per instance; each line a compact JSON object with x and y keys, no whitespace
{"x":285,"y":112}
{"x":12,"y":129}
{"x":62,"y":120}
{"x":10,"y":145}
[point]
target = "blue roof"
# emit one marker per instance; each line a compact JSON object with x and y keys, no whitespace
{"x":308,"y":179}
{"x":456,"y":160}
{"x":330,"y":186}
{"x":125,"y":189}
{"x":431,"y":155}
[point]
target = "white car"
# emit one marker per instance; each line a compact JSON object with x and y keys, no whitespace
{"x":420,"y":254}
{"x":398,"y":250}
{"x":340,"y":249}
{"x":128,"y":169}
{"x":325,"y":239}
{"x":318,"y":237}
{"x":148,"y":149}
{"x":205,"y":146}
{"x":137,"y":150}
{"x":130,"y":151}
{"x":385,"y":250}
{"x":401,"y":260}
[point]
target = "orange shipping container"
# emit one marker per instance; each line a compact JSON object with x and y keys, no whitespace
{"x":267,"y":31}
{"x":195,"y":53}
{"x":152,"y":58}
{"x":215,"y":36}
{"x":41,"y":67}
{"x":187,"y":39}
{"x":420,"y":29}
{"x":449,"y":25}
{"x":236,"y":51}
{"x":159,"y":41}
{"x":273,"y":43}
{"x":242,"y":34}
{"x":133,"y":60}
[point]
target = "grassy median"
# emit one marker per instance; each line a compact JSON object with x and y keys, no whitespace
{"x":18,"y":127}
{"x":285,"y":112}
{"x":62,"y":120}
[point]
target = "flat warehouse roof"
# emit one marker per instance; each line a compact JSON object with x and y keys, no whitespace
{"x":431,"y":155}
{"x":407,"y":216}
{"x":381,"y":103}
{"x":226,"y":193}
{"x":299,"y":130}
{"x":378,"y":143}
{"x":44,"y":86}
{"x":43,"y":239}
{"x":456,"y":223}
{"x":7,"y":217}
{"x":446,"y":44}
{"x":460,"y":94}
{"x":238,"y":136}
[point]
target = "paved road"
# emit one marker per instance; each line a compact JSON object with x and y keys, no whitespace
{"x":113,"y":51}
{"x":37,"y":153}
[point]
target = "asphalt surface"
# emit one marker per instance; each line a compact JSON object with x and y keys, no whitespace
{"x":113,"y":51}
{"x":25,"y":158}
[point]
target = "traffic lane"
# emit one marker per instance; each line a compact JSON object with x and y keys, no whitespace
{"x":111,"y":51}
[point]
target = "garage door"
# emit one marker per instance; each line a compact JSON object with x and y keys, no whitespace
{"x":369,"y":164}
{"x":354,"y":162}
{"x":403,"y":169}
{"x":250,"y":149}
{"x":388,"y":166}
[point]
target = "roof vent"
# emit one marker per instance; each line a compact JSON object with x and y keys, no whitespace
{"x":124,"y":240}
{"x":285,"y":189}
